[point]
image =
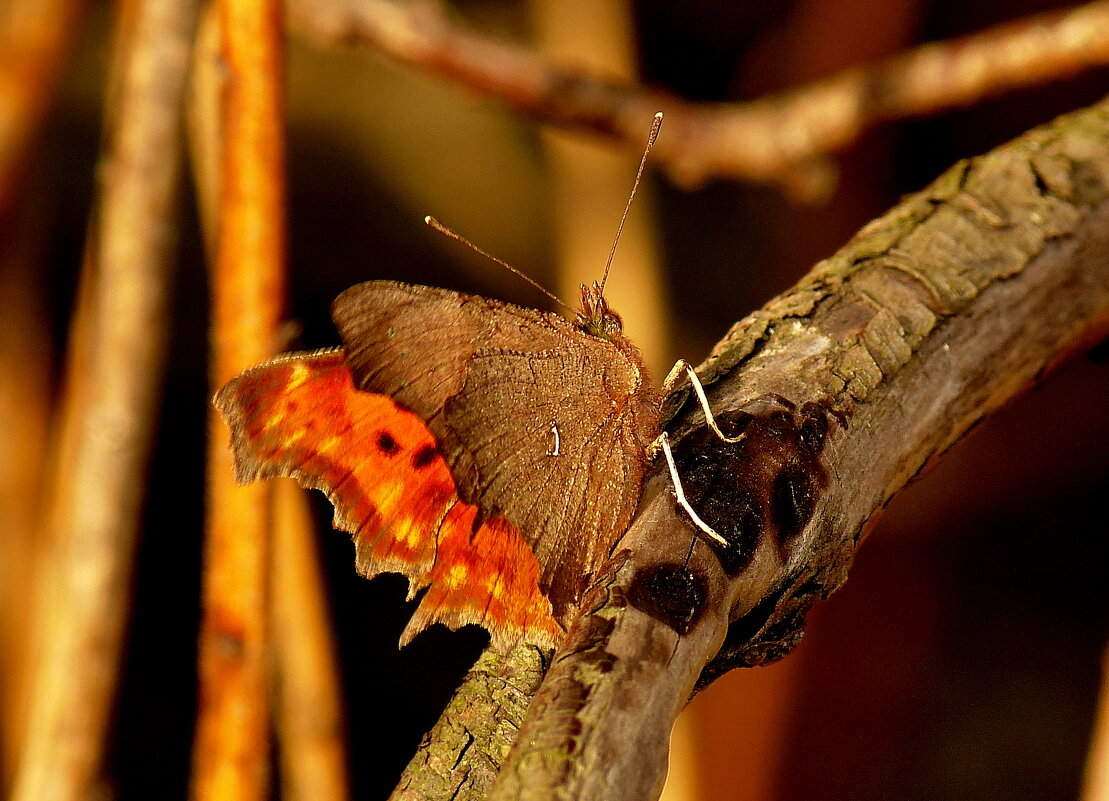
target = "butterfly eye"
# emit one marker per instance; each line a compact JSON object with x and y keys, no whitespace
{"x":611,"y":323}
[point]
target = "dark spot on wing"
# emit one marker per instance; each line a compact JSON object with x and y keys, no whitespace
{"x":386,"y":444}
{"x":424,"y":456}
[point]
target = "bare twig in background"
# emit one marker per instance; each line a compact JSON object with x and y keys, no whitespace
{"x":111,"y":413}
{"x":203,"y":119}
{"x":35,"y":38}
{"x":25,"y":396}
{"x":783,"y":139}
{"x":308,"y":710}
{"x":310,"y":721}
{"x":231,"y":753}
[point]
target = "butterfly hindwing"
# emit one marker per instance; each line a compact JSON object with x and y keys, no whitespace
{"x":300,"y":416}
{"x":564,"y":473}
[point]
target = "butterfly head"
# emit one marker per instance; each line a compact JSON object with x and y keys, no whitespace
{"x":596,"y":317}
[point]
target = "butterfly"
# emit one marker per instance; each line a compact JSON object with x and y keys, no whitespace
{"x":491,"y":453}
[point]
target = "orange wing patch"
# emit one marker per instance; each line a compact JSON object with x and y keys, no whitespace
{"x":300,"y":416}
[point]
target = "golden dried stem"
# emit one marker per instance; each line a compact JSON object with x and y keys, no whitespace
{"x":230,"y":759}
{"x":1096,"y":781}
{"x":25,"y":399}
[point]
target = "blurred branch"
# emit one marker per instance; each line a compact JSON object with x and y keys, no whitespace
{"x":849,"y":385}
{"x":26,"y":352}
{"x":782,"y":139}
{"x":308,"y":710}
{"x":112,"y":386}
{"x":231,"y":752}
{"x":311,"y":726}
{"x":35,"y":38}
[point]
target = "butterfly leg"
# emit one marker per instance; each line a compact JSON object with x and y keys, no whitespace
{"x":682,"y":366}
{"x":679,"y":492}
{"x":663,"y":443}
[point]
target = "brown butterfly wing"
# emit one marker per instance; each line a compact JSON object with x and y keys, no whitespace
{"x":411,"y":343}
{"x":492,"y":381}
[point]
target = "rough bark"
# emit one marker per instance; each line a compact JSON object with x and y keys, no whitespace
{"x":460,"y":757}
{"x":846,"y":386}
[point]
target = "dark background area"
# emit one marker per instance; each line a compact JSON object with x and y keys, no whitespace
{"x":961,"y":660}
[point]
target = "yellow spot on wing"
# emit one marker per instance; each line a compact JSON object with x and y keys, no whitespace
{"x":387,"y":496}
{"x":300,"y":374}
{"x":457,"y":575}
{"x":293,"y":438}
{"x":405,"y":532}
{"x":329,"y":444}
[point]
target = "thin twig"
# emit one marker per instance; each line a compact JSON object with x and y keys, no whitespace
{"x":25,"y":401}
{"x":230,"y":758}
{"x":311,"y":726}
{"x":109,"y":413}
{"x":308,"y":710}
{"x":783,"y":139}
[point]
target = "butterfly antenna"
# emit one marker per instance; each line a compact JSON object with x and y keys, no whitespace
{"x":655,"y":125}
{"x":438,"y":226}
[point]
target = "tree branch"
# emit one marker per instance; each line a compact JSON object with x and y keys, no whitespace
{"x":846,"y":386}
{"x":460,"y":757}
{"x":782,"y":139}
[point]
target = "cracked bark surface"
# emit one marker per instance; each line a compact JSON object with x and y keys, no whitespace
{"x":847,"y":385}
{"x":459,"y":758}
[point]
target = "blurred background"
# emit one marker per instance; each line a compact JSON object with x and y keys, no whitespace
{"x":963,"y":658}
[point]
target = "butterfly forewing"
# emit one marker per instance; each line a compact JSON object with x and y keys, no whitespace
{"x":539,"y":421}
